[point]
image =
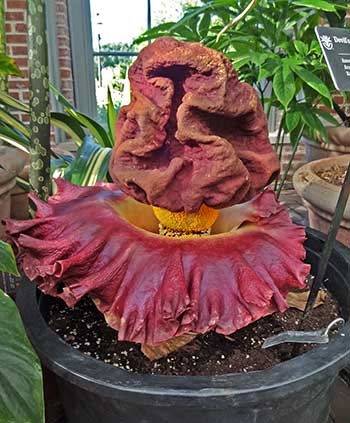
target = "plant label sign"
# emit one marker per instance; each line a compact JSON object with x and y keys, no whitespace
{"x":335,"y":44}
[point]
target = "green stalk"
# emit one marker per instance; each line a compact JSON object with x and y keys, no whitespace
{"x":285,"y":174}
{"x":237,"y":19}
{"x":280,"y":129}
{"x":39,"y":175}
{"x":280,"y":153}
{"x":3,"y":78}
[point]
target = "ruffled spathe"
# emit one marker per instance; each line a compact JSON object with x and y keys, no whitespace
{"x":85,"y":241}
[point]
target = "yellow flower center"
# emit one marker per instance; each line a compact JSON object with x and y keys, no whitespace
{"x":178,"y":223}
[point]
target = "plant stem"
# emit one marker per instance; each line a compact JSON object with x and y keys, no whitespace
{"x":3,"y":78}
{"x":341,"y":113}
{"x":280,"y":129}
{"x":39,"y":175}
{"x":280,"y":152}
{"x":285,"y":174}
{"x":238,"y":18}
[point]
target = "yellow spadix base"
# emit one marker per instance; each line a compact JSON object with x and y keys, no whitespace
{"x":186,"y":225}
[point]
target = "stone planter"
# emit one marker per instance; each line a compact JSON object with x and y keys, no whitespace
{"x":320,"y":197}
{"x":11,"y":164}
{"x":339,"y":144}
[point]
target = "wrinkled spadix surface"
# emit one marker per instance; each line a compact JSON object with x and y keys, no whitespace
{"x":193,"y":133}
{"x":151,"y":288}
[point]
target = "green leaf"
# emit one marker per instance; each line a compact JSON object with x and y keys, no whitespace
{"x":317,"y":4}
{"x":8,"y":66}
{"x":90,"y":165}
{"x":69,"y":125}
{"x":327,"y":116}
{"x":12,"y":137}
{"x":96,"y":130}
{"x":301,"y":47}
{"x":155,"y":32}
{"x":9,"y":101}
{"x":314,"y":124}
{"x":284,"y":85}
{"x":269,"y":68}
{"x":194,"y":11}
{"x":61,"y":98}
{"x":239,"y":59}
{"x":204,"y":25}
{"x":296,"y":133}
{"x":112,"y":116}
{"x":21,"y":388}
{"x":7,"y":259}
{"x":292,"y":120}
{"x":15,"y":123}
{"x":314,"y":82}
{"x":22,"y":183}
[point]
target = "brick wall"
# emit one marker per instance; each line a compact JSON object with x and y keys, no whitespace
{"x":64,"y":51}
{"x":16,"y":39}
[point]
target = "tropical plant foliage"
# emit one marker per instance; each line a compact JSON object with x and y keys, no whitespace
{"x":8,"y":66}
{"x":275,"y":49}
{"x":21,"y":388}
{"x":93,"y":141}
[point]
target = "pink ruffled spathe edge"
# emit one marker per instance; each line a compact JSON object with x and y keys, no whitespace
{"x":151,"y":288}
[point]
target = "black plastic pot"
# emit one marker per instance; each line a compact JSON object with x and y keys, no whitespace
{"x":297,"y":391}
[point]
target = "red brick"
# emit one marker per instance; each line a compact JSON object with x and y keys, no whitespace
{"x":17,"y":47}
{"x":61,"y":19}
{"x":66,"y":73}
{"x":18,"y":84}
{"x":16,"y":39}
{"x":15,"y":94}
{"x":19,"y":50}
{"x":25,"y":118}
{"x":21,"y":27}
{"x":21,"y":62}
{"x":65,"y":63}
{"x":62,"y":30}
{"x":15,"y":16}
{"x":25,"y":95}
{"x":16,"y":4}
{"x":60,"y":8}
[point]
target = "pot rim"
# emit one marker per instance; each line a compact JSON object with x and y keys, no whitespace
{"x":92,"y":374}
{"x":315,"y":190}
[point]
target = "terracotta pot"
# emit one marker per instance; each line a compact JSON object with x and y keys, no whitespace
{"x":320,"y":197}
{"x":339,"y":144}
{"x":11,"y":164}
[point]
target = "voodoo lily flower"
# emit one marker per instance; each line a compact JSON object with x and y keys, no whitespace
{"x":99,"y":242}
{"x":187,"y":240}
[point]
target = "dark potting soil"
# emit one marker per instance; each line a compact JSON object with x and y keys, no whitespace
{"x":84,"y":328}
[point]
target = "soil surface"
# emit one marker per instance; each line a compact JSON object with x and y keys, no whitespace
{"x":84,"y":328}
{"x":334,"y":175}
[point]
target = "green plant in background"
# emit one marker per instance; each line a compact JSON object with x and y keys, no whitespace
{"x":21,"y":386}
{"x":94,"y":142}
{"x":275,"y":49}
